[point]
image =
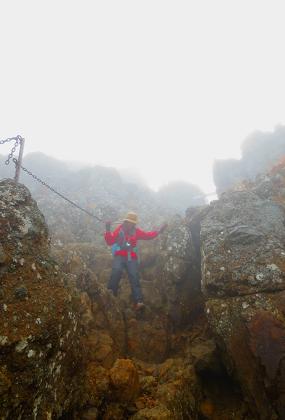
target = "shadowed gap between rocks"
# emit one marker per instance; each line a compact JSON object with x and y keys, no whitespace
{"x":213,"y":393}
{"x":221,"y":393}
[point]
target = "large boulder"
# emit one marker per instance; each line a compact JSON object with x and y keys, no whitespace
{"x":243,"y":272}
{"x":124,"y":380}
{"x":242,"y":239}
{"x":40,"y":360}
{"x":251,"y":332}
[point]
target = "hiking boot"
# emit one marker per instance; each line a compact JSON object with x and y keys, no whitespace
{"x":138,"y":306}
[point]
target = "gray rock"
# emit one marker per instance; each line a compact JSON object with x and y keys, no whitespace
{"x":242,"y":242}
{"x":242,"y":235}
{"x":21,"y":292}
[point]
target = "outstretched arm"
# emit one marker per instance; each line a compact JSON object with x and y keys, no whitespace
{"x":162,"y":228}
{"x":141,"y":234}
{"x":111,"y":237}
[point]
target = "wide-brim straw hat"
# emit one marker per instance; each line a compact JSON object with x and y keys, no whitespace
{"x":131,"y":217}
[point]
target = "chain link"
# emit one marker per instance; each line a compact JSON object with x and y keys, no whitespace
{"x":17,"y":140}
{"x":54,"y":191}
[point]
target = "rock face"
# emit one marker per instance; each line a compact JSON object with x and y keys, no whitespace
{"x":104,"y":326}
{"x":242,"y":245}
{"x":124,"y":380}
{"x":169,"y":284}
{"x":243,"y":255}
{"x":70,"y":349}
{"x":39,"y":337}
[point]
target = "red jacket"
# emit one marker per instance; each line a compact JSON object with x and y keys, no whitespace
{"x":114,"y":237}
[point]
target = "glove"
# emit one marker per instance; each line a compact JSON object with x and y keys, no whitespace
{"x":108,"y":226}
{"x":163,"y":227}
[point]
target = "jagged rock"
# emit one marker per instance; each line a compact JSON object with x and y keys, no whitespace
{"x":242,"y":245}
{"x":179,"y":251}
{"x":21,"y":292}
{"x":97,"y":384}
{"x":124,"y":380}
{"x":243,"y":258}
{"x":22,"y":222}
{"x":103,"y":320}
{"x":147,"y":383}
{"x":147,"y":336}
{"x":39,"y":335}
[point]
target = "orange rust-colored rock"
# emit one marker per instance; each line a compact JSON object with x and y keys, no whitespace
{"x":96,"y":384}
{"x":252,"y":331}
{"x":40,"y":327}
{"x":207,"y":409}
{"x":124,"y":380}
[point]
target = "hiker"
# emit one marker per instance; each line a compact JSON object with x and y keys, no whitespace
{"x":123,"y":241}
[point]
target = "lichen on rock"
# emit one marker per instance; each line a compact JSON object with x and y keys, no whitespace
{"x":39,"y":337}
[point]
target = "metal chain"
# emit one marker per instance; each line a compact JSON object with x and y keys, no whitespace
{"x":17,"y":140}
{"x":54,"y":191}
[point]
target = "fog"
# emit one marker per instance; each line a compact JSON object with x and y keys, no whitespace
{"x":159,"y":87}
{"x":261,"y":151}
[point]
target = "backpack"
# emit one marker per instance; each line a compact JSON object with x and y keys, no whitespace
{"x":122,"y":243}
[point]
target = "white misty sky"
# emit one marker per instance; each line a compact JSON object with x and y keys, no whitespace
{"x":162,"y":86}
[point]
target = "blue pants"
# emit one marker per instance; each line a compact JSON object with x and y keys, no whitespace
{"x":119,"y":265}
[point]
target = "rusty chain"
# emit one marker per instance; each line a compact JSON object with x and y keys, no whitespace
{"x":54,"y":191}
{"x":17,"y":140}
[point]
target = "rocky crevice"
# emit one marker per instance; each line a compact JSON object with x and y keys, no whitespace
{"x":210,"y":344}
{"x":188,"y":353}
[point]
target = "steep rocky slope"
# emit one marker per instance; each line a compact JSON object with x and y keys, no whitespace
{"x":209,"y":345}
{"x":69,"y":349}
{"x":243,"y":255}
{"x":39,"y":328}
